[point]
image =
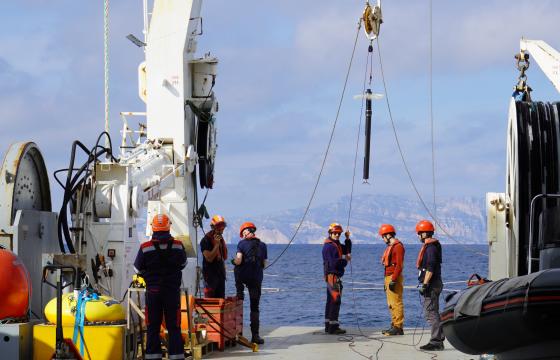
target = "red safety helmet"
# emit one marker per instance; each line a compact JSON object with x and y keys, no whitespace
{"x":247,"y":226}
{"x":217,"y":220}
{"x":386,"y":229}
{"x":335,"y":228}
{"x":424,"y":226}
{"x":161,"y":222}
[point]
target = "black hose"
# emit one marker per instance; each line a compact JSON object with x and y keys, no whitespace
{"x":74,"y":180}
{"x":71,"y":188}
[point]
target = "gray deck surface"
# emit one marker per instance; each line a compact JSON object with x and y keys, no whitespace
{"x":299,"y":342}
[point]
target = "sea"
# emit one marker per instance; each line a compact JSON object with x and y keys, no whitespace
{"x":294,"y":291}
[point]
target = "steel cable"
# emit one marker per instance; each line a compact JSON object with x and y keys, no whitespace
{"x":325,"y":154}
{"x":409,"y":174}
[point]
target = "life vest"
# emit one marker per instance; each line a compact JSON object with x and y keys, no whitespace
{"x":386,"y":257}
{"x":336,"y":244}
{"x":423,"y":250}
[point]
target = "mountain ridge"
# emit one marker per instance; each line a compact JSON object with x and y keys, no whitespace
{"x":464,"y":218}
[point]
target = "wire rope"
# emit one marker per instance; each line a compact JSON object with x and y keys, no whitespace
{"x":432,"y":114}
{"x":408,"y":172}
{"x":106,"y":64}
{"x":325,"y":154}
{"x":369,"y":56}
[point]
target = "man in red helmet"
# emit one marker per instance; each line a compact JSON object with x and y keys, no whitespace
{"x":250,"y":262}
{"x":160,"y":261}
{"x":214,"y":254}
{"x":429,"y":265}
{"x":393,"y":260}
{"x":335,"y":259}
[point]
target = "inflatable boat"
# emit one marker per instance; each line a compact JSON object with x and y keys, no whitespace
{"x":515,"y":318}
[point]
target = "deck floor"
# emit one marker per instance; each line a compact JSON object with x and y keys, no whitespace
{"x":298,"y":342}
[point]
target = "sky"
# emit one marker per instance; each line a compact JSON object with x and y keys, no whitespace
{"x":281,"y":73}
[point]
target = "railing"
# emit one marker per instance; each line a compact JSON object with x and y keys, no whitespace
{"x":531,"y":220}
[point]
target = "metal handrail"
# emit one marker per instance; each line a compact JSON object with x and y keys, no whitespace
{"x":531,"y":220}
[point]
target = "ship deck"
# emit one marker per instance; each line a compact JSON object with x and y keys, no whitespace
{"x":299,"y":342}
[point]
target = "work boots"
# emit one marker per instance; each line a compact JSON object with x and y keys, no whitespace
{"x":394,"y":331}
{"x":256,"y":339}
{"x":432,"y":347}
{"x":334,"y":329}
{"x":387,"y":330}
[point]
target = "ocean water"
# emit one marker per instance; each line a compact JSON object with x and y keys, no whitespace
{"x":294,"y":290}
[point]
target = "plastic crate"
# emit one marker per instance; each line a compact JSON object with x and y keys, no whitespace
{"x":222,"y":318}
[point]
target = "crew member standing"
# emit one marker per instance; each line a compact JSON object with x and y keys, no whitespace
{"x":429,"y":266}
{"x":214,"y":254}
{"x":393,"y":260}
{"x":250,"y":262}
{"x":335,"y":259}
{"x":160,"y":261}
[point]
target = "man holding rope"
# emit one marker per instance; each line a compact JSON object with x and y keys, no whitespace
{"x":335,"y":259}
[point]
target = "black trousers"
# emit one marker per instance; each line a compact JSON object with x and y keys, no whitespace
{"x":163,"y":302}
{"x":255,"y":290}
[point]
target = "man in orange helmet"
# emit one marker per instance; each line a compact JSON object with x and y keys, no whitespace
{"x":160,"y":261}
{"x":335,"y":259}
{"x":429,"y":265}
{"x":214,"y":254}
{"x":393,"y":260}
{"x":250,"y":262}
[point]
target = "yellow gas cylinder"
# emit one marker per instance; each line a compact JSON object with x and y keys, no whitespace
{"x":104,"y":309}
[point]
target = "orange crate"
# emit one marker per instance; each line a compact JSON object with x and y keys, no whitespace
{"x":222,"y":318}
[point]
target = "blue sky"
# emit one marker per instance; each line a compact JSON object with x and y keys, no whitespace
{"x":282,"y":66}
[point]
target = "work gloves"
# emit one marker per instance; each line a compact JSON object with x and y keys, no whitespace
{"x":138,"y":281}
{"x":392,"y":286}
{"x":425,"y":290}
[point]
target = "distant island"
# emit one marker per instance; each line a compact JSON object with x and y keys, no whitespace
{"x":463,"y":217}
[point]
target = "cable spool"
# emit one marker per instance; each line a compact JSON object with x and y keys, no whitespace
{"x":24,"y":182}
{"x":533,"y":169}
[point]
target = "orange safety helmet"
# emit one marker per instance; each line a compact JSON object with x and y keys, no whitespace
{"x":335,"y":228}
{"x":386,"y":229}
{"x":161,"y":222}
{"x":424,"y":226}
{"x":217,"y":220}
{"x":247,"y":225}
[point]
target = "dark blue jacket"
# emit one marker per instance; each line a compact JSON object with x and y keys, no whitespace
{"x":431,"y":261}
{"x":252,"y":266}
{"x":160,"y":261}
{"x":333,"y":260}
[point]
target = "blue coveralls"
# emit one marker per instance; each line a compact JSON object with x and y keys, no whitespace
{"x":250,"y":274}
{"x":333,"y":264}
{"x":160,"y":261}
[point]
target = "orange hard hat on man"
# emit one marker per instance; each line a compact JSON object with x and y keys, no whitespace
{"x":161,"y":222}
{"x":335,"y":228}
{"x":424,"y":226}
{"x":217,"y":220}
{"x":247,"y":226}
{"x":386,"y":229}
